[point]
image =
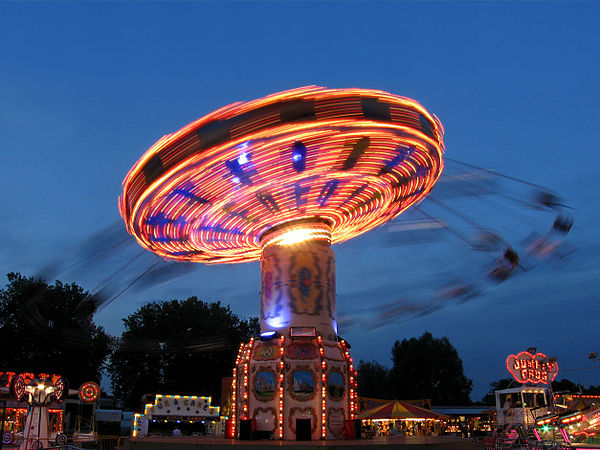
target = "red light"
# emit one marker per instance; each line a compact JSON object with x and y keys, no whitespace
{"x":528,"y":368}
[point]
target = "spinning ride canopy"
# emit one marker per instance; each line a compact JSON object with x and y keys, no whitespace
{"x":348,"y":158}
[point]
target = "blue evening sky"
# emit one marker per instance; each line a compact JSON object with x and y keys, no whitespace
{"x":86,"y":88}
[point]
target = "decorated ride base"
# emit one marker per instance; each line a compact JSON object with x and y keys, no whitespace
{"x":298,"y":380}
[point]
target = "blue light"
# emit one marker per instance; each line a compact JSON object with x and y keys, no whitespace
{"x":268,"y":334}
{"x":243,"y":158}
{"x":278,"y":321}
{"x":299,"y":156}
{"x":239,"y":174}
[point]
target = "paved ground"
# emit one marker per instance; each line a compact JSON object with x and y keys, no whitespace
{"x":386,"y":443}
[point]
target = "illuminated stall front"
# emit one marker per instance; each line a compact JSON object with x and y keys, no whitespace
{"x":401,"y":418}
{"x":190,"y":414}
{"x":529,"y":401}
{"x":36,"y":407}
{"x":526,"y":407}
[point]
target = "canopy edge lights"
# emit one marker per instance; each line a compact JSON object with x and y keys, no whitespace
{"x":351,"y":158}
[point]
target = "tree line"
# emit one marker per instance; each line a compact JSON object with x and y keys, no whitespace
{"x":187,"y":346}
{"x":171,"y":347}
{"x":429,"y":367}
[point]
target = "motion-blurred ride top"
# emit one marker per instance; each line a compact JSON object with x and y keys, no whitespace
{"x":350,"y":158}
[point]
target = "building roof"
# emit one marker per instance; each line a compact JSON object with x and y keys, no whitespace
{"x":463,"y":410}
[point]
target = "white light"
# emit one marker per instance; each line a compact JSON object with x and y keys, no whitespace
{"x":299,"y":235}
{"x":295,"y":236}
{"x":279,"y":321}
{"x":243,"y":158}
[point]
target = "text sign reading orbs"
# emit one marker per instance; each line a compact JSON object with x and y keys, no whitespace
{"x":528,"y":368}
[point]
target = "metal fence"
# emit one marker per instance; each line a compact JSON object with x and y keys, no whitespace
{"x":100,"y":443}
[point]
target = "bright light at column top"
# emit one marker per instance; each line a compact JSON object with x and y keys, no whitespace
{"x":296,"y":233}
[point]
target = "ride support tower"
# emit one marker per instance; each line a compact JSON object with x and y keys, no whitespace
{"x":297,"y":380}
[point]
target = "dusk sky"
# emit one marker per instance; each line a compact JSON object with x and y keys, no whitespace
{"x":86,"y":88}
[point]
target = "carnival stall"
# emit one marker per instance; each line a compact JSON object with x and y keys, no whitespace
{"x":176,"y":415}
{"x":520,"y":410}
{"x":401,"y":418}
{"x":467,"y":421}
{"x":34,"y":413}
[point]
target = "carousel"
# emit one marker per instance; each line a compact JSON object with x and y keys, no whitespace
{"x":281,"y":179}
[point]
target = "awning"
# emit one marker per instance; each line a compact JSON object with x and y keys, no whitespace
{"x":399,"y":410}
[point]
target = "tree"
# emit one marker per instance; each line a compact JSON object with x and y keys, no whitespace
{"x":503,"y":383}
{"x":566,"y":386}
{"x":177,"y":347}
{"x":373,"y":380}
{"x":563,"y":386}
{"x":429,"y":367}
{"x":49,"y":329}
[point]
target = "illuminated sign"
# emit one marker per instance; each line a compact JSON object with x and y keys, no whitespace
{"x":528,"y":368}
{"x":181,"y":406}
{"x":303,"y":332}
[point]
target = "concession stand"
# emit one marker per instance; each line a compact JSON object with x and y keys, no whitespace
{"x":189,"y":414}
{"x":401,"y":418}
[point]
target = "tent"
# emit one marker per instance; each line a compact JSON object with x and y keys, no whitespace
{"x":399,"y":410}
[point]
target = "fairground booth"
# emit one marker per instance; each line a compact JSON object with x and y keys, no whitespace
{"x":178,"y":415}
{"x":467,"y":421}
{"x":530,"y":415}
{"x":401,"y":418}
{"x":36,"y":410}
{"x":533,"y":372}
{"x":15,"y":408}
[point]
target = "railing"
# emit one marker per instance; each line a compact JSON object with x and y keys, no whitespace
{"x":98,"y":443}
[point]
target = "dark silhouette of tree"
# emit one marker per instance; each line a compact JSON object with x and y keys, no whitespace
{"x":503,"y":383}
{"x":49,"y":329}
{"x":566,"y":386}
{"x":592,"y":390}
{"x":429,"y":367}
{"x":563,"y":386}
{"x":177,"y":347}
{"x":373,"y":380}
